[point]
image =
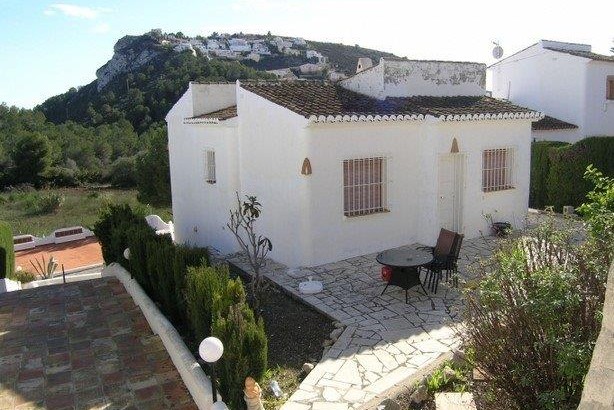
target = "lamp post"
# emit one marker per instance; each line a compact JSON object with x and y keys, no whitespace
{"x":210,"y":350}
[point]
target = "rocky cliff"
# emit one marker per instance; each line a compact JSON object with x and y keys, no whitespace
{"x":129,"y":53}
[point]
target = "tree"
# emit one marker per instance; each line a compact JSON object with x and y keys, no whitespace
{"x":153,"y":170}
{"x":242,"y":224}
{"x":31,"y":159}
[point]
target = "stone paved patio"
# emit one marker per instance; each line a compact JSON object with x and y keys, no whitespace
{"x":385,"y":340}
{"x":83,"y":345}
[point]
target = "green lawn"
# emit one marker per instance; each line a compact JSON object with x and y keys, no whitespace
{"x":80,"y":207}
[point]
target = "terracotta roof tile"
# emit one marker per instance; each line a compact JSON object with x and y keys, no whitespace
{"x":585,"y":54}
{"x":309,"y":98}
{"x":221,"y":115}
{"x":551,"y":123}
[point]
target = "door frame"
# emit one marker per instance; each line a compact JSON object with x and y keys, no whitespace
{"x":459,"y":177}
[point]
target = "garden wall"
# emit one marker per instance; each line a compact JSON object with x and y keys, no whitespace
{"x":598,"y":390}
{"x":557,"y":170}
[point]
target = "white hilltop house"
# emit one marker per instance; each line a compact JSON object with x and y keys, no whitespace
{"x":239,"y":45}
{"x":381,"y":159}
{"x":573,"y":86}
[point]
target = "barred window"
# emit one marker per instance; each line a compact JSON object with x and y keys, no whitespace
{"x":365,"y":187}
{"x":209,"y":166}
{"x":497,"y":169}
{"x":610,"y":87}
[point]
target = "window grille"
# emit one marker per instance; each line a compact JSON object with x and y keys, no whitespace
{"x":209,"y":159}
{"x":497,"y":169}
{"x":365,"y":186}
{"x":610,"y":87}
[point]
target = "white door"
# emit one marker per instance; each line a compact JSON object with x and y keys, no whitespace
{"x":450,"y":191}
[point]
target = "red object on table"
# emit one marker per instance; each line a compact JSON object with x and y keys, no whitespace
{"x":386,"y":273}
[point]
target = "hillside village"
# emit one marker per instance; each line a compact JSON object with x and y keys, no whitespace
{"x":244,"y":48}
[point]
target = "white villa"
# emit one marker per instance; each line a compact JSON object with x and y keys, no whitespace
{"x":381,"y":159}
{"x":572,"y":85}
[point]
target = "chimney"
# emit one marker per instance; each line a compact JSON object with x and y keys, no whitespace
{"x":363,"y":64}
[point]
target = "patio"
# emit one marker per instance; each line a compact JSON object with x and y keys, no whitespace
{"x":385,"y":340}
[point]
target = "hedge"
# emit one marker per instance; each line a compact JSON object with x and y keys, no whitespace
{"x":7,"y":251}
{"x":557,"y":170}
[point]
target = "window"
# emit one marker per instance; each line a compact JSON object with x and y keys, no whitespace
{"x":610,"y":88}
{"x":209,"y":160}
{"x":497,"y":169}
{"x":365,"y":186}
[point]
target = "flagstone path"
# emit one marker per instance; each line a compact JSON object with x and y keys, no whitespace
{"x":385,"y":340}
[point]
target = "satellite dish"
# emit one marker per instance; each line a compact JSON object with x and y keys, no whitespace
{"x":497,"y":52}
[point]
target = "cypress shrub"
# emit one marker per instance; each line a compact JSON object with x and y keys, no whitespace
{"x":540,"y":167}
{"x":7,"y":251}
{"x":112,"y":230}
{"x":557,"y":170}
{"x":245,"y":351}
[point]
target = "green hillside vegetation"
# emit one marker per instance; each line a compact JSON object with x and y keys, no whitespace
{"x":144,"y":96}
{"x":343,"y":57}
{"x":84,"y":137}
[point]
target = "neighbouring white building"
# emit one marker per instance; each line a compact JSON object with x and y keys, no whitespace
{"x":384,"y":158}
{"x":213,"y":44}
{"x":239,"y":45}
{"x":572,"y":85}
{"x":315,"y":54}
{"x":261,"y":48}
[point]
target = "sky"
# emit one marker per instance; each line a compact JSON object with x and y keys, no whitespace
{"x":46,"y":47}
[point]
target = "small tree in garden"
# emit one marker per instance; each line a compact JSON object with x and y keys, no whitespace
{"x":243,"y":226}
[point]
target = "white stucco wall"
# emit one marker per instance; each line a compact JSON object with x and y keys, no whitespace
{"x":395,"y":78}
{"x":271,"y":152}
{"x":207,"y":98}
{"x":568,"y":135}
{"x":599,"y":113}
{"x":413,"y":149}
{"x":543,"y":80}
{"x":200,"y":209}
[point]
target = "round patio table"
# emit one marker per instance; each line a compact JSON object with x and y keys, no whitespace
{"x":405,"y":264}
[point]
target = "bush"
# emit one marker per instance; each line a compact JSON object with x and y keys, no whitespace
{"x":210,"y":291}
{"x":245,"y":351}
{"x":22,"y":276}
{"x":123,"y":172}
{"x":112,"y":229}
{"x":7,"y":251}
{"x":557,"y":169}
{"x":534,"y":316}
{"x":48,"y":203}
{"x":62,"y":177}
{"x":599,"y":209}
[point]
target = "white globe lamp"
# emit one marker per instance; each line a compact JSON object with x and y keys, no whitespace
{"x":210,"y":350}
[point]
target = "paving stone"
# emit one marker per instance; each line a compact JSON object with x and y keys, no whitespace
{"x":348,"y":373}
{"x":330,"y":394}
{"x":87,"y":365}
{"x":454,"y":401}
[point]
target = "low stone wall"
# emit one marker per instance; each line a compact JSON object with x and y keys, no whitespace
{"x":598,"y":390}
{"x":62,"y":235}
